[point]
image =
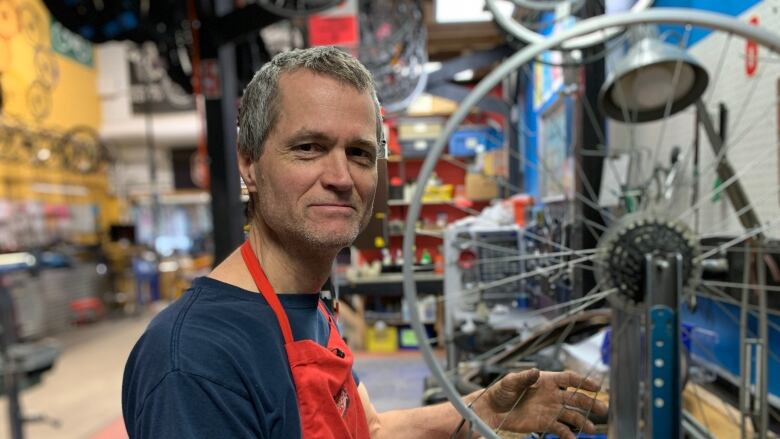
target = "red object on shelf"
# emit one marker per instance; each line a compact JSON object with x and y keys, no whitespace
{"x":466,"y":259}
{"x":86,"y":309}
{"x":519,"y":203}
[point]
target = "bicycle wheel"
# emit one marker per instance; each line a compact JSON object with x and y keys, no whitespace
{"x":688,"y":200}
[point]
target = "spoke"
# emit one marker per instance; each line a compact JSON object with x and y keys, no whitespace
{"x":591,"y":369}
{"x":595,"y":398}
{"x":628,"y":117}
{"x":701,"y":409}
{"x":721,"y":296}
{"x":544,"y":240}
{"x":590,"y":299}
{"x":739,"y":285}
{"x":738,"y":213}
{"x":712,"y":87}
{"x":670,"y":99}
{"x":521,"y":276}
{"x":535,"y":256}
{"x":593,"y":299}
{"x":681,"y":167}
{"x":542,"y":166}
{"x":577,"y":195}
{"x":735,"y":241}
{"x":583,"y":178}
{"x":595,"y":225}
{"x":734,"y":319}
{"x":761,"y":159}
{"x":748,"y":99}
{"x":594,"y":121}
{"x":517,"y":401}
{"x":708,"y":352}
{"x":498,"y":248}
{"x":727,"y":145}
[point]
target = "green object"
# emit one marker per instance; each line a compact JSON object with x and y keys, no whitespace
{"x":70,"y":44}
{"x":408,"y":338}
{"x":717,"y":191}
{"x":425,"y":258}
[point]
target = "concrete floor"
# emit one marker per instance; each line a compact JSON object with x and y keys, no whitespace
{"x":83,"y":391}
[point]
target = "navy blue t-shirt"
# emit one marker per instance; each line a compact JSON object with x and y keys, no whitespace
{"x":213,"y":364}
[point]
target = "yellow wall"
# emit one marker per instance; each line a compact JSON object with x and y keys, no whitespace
{"x":70,"y":99}
{"x":74,"y":98}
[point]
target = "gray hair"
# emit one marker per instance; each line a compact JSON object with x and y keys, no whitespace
{"x":259,"y":108}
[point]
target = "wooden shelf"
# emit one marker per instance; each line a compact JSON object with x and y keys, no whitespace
{"x":437,"y":233}
{"x":399,"y":158}
{"x":450,"y":202}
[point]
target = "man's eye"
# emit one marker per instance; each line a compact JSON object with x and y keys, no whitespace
{"x":360,"y":152}
{"x":306,"y":147}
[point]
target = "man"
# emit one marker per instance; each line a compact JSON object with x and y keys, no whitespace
{"x":234,"y":359}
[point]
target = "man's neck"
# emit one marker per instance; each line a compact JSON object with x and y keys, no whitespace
{"x":291,"y":268}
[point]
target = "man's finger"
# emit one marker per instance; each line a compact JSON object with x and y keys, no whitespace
{"x":586,"y":403}
{"x":577,"y":421}
{"x":572,"y":379}
{"x":561,"y":430}
{"x":521,"y":380}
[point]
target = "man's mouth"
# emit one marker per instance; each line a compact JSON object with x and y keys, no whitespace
{"x":335,"y":207}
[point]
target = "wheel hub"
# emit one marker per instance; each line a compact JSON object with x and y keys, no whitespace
{"x":624,"y":249}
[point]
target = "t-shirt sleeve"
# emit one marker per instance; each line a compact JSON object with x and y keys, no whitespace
{"x":184,"y":405}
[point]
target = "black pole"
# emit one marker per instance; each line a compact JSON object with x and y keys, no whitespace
{"x":592,"y":162}
{"x":221,"y":116}
{"x":10,"y":374}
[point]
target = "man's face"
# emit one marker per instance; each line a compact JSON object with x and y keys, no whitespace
{"x":317,"y":174}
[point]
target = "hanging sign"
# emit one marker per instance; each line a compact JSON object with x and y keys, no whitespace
{"x":338,"y":26}
{"x":751,"y":52}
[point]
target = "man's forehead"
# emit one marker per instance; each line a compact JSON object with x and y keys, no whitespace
{"x":304,"y":133}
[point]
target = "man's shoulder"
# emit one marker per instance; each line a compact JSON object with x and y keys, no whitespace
{"x":210,"y":333}
{"x":212,"y":322}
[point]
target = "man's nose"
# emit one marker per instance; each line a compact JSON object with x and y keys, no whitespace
{"x":336,"y":175}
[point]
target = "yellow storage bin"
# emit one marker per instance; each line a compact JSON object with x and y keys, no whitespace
{"x":381,"y":338}
{"x":438,"y":193}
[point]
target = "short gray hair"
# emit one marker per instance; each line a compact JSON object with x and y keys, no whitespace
{"x":259,"y":108}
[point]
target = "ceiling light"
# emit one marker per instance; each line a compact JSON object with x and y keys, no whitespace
{"x":643,"y":83}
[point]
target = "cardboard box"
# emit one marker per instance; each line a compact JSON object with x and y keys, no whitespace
{"x":419,"y":128}
{"x":415,"y":148}
{"x":480,"y":187}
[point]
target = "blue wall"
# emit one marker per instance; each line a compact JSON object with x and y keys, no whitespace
{"x":728,"y":7}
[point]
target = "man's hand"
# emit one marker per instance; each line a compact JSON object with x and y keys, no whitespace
{"x":546,"y":404}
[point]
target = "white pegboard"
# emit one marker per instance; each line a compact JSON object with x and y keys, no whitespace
{"x":752,"y":103}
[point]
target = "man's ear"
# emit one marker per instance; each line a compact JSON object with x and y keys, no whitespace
{"x":246,"y":167}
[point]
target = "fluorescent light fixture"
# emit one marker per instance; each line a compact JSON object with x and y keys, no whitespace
{"x":432,"y":66}
{"x":465,"y":75}
{"x":466,"y":11}
{"x":60,"y":189}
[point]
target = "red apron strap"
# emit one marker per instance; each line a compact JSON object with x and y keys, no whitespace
{"x":324,"y":310}
{"x":266,"y":289}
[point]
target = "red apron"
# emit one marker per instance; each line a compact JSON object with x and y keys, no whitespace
{"x":328,"y":400}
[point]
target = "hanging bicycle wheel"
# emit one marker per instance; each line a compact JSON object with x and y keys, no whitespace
{"x":686,"y":235}
{"x":295,"y":8}
{"x":523,"y":25}
{"x":393,"y":46}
